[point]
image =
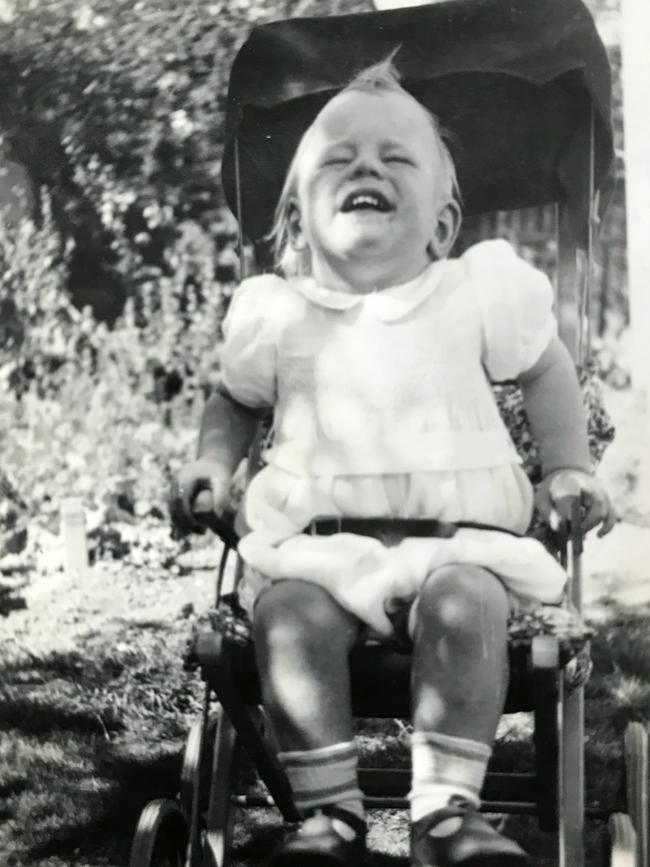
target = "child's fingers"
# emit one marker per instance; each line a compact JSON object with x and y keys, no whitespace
{"x":609,"y":522}
{"x":180,"y":507}
{"x":556,"y":500}
{"x":220,"y":491}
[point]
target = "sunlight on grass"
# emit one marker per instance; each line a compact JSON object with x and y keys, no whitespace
{"x":89,"y":734}
{"x":630,"y":696}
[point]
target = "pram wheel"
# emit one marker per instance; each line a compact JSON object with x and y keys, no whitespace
{"x":621,"y":842}
{"x":206,"y":788}
{"x":161,"y":836}
{"x":197,"y":767}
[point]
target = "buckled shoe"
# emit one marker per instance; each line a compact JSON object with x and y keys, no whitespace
{"x":458,"y":836}
{"x":316,"y":843}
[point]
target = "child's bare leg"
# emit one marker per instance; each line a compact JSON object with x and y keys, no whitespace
{"x":460,"y":678}
{"x":460,"y":663}
{"x":302,"y":642}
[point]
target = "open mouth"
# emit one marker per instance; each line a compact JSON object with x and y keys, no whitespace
{"x":366,"y":200}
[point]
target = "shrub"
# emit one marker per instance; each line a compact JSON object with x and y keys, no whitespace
{"x":118,"y":108}
{"x":97,"y":412}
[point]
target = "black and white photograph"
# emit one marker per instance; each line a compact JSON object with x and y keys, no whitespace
{"x":324,"y":433}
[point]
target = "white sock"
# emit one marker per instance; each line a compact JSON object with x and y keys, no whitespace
{"x":325,"y":776}
{"x":444,"y":767}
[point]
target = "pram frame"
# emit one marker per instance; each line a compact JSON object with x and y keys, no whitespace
{"x":195,"y":828}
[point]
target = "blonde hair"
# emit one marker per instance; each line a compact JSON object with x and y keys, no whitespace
{"x":379,"y":78}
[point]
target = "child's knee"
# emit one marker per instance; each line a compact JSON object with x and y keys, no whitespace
{"x":462,"y":597}
{"x":297,"y":614}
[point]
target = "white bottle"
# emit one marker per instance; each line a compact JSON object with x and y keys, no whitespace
{"x":73,"y":536}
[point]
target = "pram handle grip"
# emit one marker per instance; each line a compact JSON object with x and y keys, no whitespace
{"x":221,"y":525}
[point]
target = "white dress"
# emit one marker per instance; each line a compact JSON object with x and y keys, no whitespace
{"x":383,"y":408}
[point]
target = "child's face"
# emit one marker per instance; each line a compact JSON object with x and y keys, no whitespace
{"x":370,"y":185}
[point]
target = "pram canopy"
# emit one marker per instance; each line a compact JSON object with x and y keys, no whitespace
{"x":515,"y":83}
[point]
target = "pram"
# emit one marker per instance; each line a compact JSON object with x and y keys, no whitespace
{"x":529,"y":84}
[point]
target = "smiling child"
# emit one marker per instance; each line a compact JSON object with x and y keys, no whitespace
{"x":375,"y":351}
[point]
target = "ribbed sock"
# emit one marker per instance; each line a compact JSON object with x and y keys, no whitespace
{"x":445,"y":767}
{"x":325,"y":776}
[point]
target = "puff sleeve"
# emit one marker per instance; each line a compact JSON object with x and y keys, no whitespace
{"x":249,"y":352}
{"x":515,"y":302}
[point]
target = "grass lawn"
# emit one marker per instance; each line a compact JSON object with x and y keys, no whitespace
{"x":95,"y":705}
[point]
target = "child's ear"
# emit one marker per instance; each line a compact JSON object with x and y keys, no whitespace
{"x":445,"y":231}
{"x":296,"y":236}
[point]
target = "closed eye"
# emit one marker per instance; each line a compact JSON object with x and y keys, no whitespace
{"x":337,"y":157}
{"x":399,"y":158}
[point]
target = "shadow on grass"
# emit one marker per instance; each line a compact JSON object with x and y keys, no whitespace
{"x":134,"y":781}
{"x":97,"y":669}
{"x":61,"y":691}
{"x":14,"y":787}
{"x":38,"y":715}
{"x":123,"y":775}
{"x":9,"y":791}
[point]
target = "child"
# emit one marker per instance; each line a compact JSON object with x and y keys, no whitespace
{"x":373,"y":350}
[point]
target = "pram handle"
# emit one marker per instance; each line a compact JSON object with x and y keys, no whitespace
{"x":221,"y":525}
{"x":568,"y":508}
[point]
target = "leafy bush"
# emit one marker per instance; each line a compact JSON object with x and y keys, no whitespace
{"x":96,"y":412}
{"x":118,"y":108}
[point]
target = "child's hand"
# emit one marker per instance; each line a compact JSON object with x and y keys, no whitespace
{"x":556,"y":492}
{"x":201,"y":475}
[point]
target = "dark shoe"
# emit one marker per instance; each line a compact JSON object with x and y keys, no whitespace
{"x":473,"y":843}
{"x":317,"y":844}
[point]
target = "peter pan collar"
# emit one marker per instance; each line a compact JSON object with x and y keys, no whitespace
{"x":386,"y":304}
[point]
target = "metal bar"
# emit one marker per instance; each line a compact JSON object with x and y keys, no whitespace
{"x":395,"y":803}
{"x":576,"y":554}
{"x":240,"y":229}
{"x":585,"y":350}
{"x":572,"y":778}
{"x":572,"y":726}
{"x":546,"y":688}
{"x":216,"y":659}
{"x":221,"y":572}
{"x":636,"y":778}
{"x":218,"y":823}
{"x":396,"y":782}
{"x":567,"y":292}
{"x":377,"y":802}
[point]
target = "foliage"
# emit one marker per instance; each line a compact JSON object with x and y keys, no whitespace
{"x":38,"y":323}
{"x":96,"y":412}
{"x":117,"y":107}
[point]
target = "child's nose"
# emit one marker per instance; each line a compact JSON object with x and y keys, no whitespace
{"x":366,"y":165}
